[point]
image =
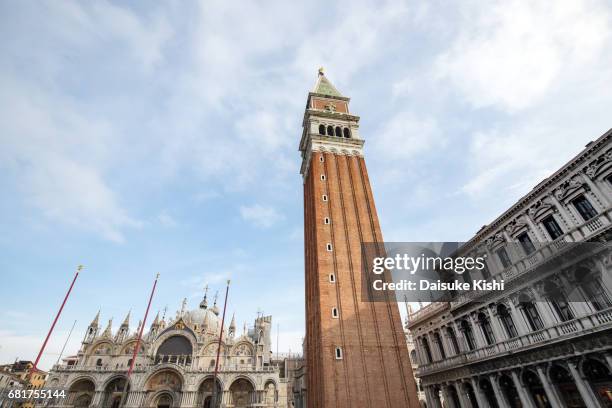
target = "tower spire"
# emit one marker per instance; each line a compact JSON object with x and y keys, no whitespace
{"x":126,"y":321}
{"x":95,"y":322}
{"x":324,"y":87}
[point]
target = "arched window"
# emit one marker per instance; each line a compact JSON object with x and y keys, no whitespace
{"x":468,"y":334}
{"x":438,"y":341}
{"x":453,"y":339}
{"x":99,"y":362}
{"x":330,"y":131}
{"x":347,"y":133}
{"x":507,"y":322}
{"x":321,"y":129}
{"x":338,"y":131}
{"x":532,"y":316}
{"x":487,"y":331}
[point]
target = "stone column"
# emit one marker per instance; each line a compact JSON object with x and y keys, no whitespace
{"x":433,"y":400}
{"x":499,"y":395}
{"x":450,"y":349}
{"x":435,"y":353}
{"x":445,"y":350}
{"x":524,"y":393}
{"x":496,"y":324}
{"x":460,"y":338}
{"x":546,"y":313}
{"x":536,"y":231}
{"x":477,"y":331}
{"x":97,"y":398}
{"x":517,"y":318}
{"x":463,"y":395}
{"x":480,"y":398}
{"x":551,"y":391}
{"x":450,"y":402}
{"x":589,"y":397}
{"x":566,"y":216}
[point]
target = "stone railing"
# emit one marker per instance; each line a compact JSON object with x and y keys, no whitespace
{"x":146,"y":367}
{"x":597,"y":321}
{"x":426,"y":311}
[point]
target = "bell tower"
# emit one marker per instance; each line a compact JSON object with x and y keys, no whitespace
{"x":356,"y":353}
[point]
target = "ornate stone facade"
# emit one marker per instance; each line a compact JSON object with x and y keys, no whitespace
{"x":175,"y":365}
{"x":546,"y":341}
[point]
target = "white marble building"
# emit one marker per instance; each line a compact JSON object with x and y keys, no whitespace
{"x":175,"y":364}
{"x":546,"y":340}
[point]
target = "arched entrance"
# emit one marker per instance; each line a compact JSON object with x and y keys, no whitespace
{"x":510,"y":392}
{"x":164,"y":389}
{"x":600,"y":379}
{"x":535,"y":389}
{"x":113,"y":392}
{"x":566,"y":386}
{"x":164,"y":400}
{"x":242,"y":393}
{"x":205,"y":394}
{"x":488,"y":392}
{"x":81,"y":392}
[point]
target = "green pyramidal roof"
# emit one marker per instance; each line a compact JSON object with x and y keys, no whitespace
{"x":325,"y":87}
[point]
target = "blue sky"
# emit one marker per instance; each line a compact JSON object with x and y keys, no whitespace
{"x":141,"y":138}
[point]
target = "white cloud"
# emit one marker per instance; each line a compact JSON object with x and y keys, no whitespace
{"x":166,"y":220}
{"x":260,"y":216}
{"x":403,"y":136}
{"x":59,"y":157}
{"x":514,"y":159}
{"x":513,"y":54}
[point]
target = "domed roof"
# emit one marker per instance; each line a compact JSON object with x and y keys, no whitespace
{"x":203,"y":316}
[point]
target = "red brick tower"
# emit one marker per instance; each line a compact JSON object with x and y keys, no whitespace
{"x":356,"y":353}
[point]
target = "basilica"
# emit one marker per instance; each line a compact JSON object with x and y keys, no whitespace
{"x":175,"y":364}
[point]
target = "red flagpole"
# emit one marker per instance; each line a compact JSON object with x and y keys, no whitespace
{"x":144,"y":322}
{"x":214,"y":399}
{"x":59,"y":312}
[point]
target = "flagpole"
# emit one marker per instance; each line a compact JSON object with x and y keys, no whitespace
{"x":214,"y":398}
{"x":137,"y":347}
{"x":65,"y":343}
{"x":59,"y":312}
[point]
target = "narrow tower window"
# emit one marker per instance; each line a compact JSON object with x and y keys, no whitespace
{"x":326,"y":220}
{"x":347,"y":133}
{"x":335,"y":312}
{"x":321,"y":129}
{"x":338,"y":131}
{"x":329,"y":247}
{"x":321,"y":158}
{"x":324,"y":197}
{"x":323,"y":177}
{"x":338,"y":353}
{"x":332,"y":278}
{"x":330,"y":131}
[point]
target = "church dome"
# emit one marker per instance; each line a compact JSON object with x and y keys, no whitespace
{"x":204,"y":317}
